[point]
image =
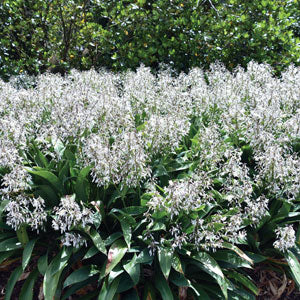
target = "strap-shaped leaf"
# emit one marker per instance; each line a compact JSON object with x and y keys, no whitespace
{"x":27,"y":288}
{"x":133,"y":269}
{"x":126,"y":228}
{"x":12,"y":281}
{"x":77,"y":286}
{"x":134,"y":210}
{"x":80,"y":275}
{"x":2,"y":206}
{"x":97,"y":240}
{"x":244,"y":281}
{"x":210,"y":266}
{"x":230,"y":259}
{"x":54,"y":271}
{"x":5,"y":255}
{"x":238,"y":251}
{"x":144,"y":257}
{"x":27,"y":253}
{"x":81,"y":184}
{"x":165,"y":260}
{"x":294,"y":265}
{"x":91,"y":252}
{"x":48,"y":194}
{"x":162,"y":285}
{"x":43,"y":264}
{"x":177,"y":264}
{"x":200,"y":292}
{"x":108,"y":291}
{"x":112,"y":238}
{"x":115,"y":254}
{"x":149,"y":292}
{"x":49,"y":177}
{"x":39,"y":157}
{"x":10,"y":244}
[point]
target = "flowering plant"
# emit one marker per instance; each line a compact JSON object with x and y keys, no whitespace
{"x":151,"y":182}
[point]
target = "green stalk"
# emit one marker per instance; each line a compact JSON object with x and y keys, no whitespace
{"x":22,"y":235}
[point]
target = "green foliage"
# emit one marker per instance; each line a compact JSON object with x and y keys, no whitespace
{"x":117,"y":256}
{"x":132,"y":247}
{"x":59,"y":35}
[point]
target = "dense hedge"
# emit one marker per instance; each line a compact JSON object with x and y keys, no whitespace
{"x":58,"y":35}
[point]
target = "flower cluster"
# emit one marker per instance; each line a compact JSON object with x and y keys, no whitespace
{"x":286,"y":238}
{"x":25,"y":210}
{"x":69,"y":214}
{"x":121,"y":124}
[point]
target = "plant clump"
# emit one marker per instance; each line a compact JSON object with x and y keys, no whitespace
{"x":155,"y":176}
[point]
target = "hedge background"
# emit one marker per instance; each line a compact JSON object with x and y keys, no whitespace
{"x":57,"y":35}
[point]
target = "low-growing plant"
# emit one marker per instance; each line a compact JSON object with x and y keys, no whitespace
{"x":150,"y":186}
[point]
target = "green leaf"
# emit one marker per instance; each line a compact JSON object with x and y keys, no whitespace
{"x":294,"y":265}
{"x":243,"y":280}
{"x":131,"y":295}
{"x":54,"y":271}
{"x":113,"y":237}
{"x":39,"y":158}
{"x":134,"y":210}
{"x":2,"y":206}
{"x":97,"y":219}
{"x":176,"y":263}
{"x":48,"y":194}
{"x":6,"y":255}
{"x":210,"y":266}
{"x":115,"y":254}
{"x":43,"y":264}
{"x":80,"y":275}
{"x":114,"y":273}
{"x":12,"y":281}
{"x":108,"y":291}
{"x":10,"y":244}
{"x":178,"y":279}
{"x":63,"y":173}
{"x":165,"y":260}
{"x":77,"y":286}
{"x":59,"y":147}
{"x":149,"y":292}
{"x":91,"y":252}
{"x":133,"y":269}
{"x":27,"y":253}
{"x":238,"y":252}
{"x":162,"y":285}
{"x":49,"y":177}
{"x":231,"y":258}
{"x":126,"y":230}
{"x":200,"y":292}
{"x":81,"y":184}
{"x":257,"y":258}
{"x":27,"y":288}
{"x":6,"y":235}
{"x":97,"y":240}
{"x":157,"y":226}
{"x":144,"y":257}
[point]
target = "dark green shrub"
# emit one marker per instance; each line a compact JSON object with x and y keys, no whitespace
{"x":59,"y":35}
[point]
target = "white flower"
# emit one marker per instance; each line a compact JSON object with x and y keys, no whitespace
{"x":24,"y":210}
{"x":73,"y":239}
{"x":286,"y":238}
{"x":69,"y":214}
